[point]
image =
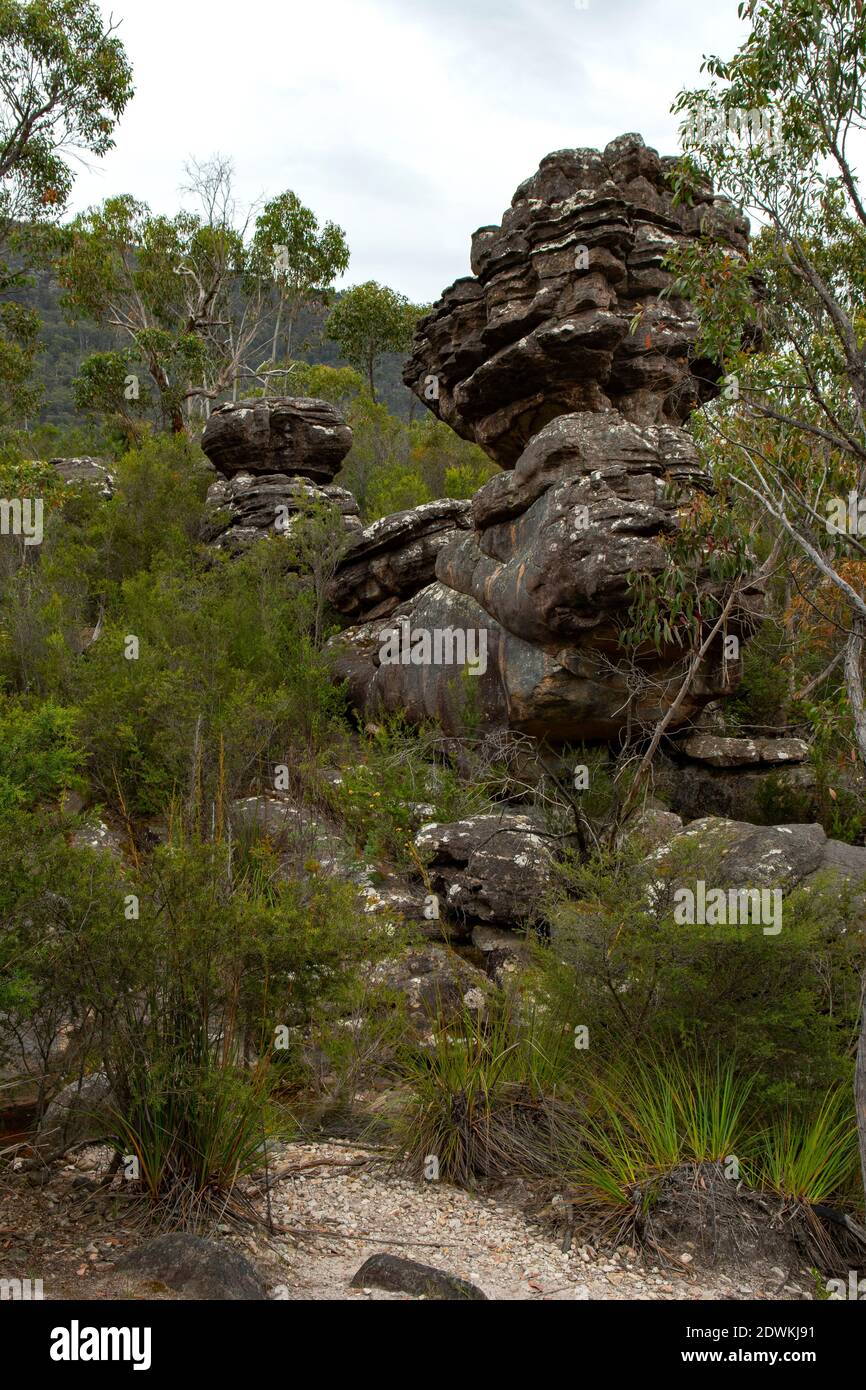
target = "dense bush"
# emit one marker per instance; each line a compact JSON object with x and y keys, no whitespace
{"x":787,"y":1006}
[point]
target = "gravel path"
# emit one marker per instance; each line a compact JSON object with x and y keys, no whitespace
{"x":358,"y":1211}
{"x":333,"y":1206}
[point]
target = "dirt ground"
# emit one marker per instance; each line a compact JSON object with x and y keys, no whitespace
{"x":332,"y":1206}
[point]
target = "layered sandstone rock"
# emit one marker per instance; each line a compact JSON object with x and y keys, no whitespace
{"x":563,"y":311}
{"x":242,"y":509}
{"x":273,"y":457}
{"x":293,"y":435}
{"x":395,"y":557}
{"x":560,"y":358}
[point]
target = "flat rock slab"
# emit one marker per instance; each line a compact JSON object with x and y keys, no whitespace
{"x":744,"y":752}
{"x":397,"y":1275}
{"x":196,"y":1267}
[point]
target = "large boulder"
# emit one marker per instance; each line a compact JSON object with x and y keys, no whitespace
{"x":271,"y":459}
{"x":732,"y":854}
{"x":544,"y":326}
{"x":541,"y":582}
{"x":493,"y":868}
{"x":394,"y":558}
{"x":292,"y":435}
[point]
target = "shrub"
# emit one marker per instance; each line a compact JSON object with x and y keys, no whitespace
{"x":619,"y":963}
{"x":482,"y":1100}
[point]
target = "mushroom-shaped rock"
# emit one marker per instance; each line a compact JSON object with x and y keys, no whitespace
{"x":295,"y":435}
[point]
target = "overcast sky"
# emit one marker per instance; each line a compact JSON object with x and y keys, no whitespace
{"x":409,"y":122}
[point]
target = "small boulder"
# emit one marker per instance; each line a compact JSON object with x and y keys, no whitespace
{"x":82,"y":1112}
{"x":398,"y":1275}
{"x":195,"y":1267}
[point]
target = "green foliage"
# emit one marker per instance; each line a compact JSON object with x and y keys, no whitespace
{"x":481,"y":1100}
{"x":649,"y":1114}
{"x":764,"y":694}
{"x":317,"y":540}
{"x":370,"y":320}
{"x":620,"y":964}
{"x":339,"y":385}
{"x":195,"y":1131}
{"x":809,"y":1157}
{"x":303,"y":259}
{"x":119,"y":264}
{"x":395,"y":488}
{"x":705,"y":555}
{"x":91,"y":545}
{"x":227,"y":675}
{"x":40,"y":755}
{"x":19,"y":334}
{"x":109,"y":389}
{"x":392,"y":772}
{"x":66,"y":83}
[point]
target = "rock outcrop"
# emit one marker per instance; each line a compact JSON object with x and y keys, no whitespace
{"x":395,"y":557}
{"x":765,"y":780}
{"x":735,"y":854}
{"x":86,"y":472}
{"x":560,"y":358}
{"x":546,"y":324}
{"x":243,"y":509}
{"x":273,"y":458}
{"x":493,"y":869}
{"x":716,"y":751}
{"x":292,"y":435}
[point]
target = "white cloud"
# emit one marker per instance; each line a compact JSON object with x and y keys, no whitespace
{"x":411,"y":124}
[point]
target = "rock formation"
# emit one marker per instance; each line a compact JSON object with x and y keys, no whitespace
{"x":561,"y":358}
{"x":490,"y":868}
{"x":86,"y":472}
{"x":292,"y":435}
{"x":273,"y":456}
{"x":395,"y":557}
{"x":546,"y":325}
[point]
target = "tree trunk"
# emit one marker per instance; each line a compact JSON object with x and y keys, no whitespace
{"x":370,"y":378}
{"x":277,"y":326}
{"x":854,"y":680}
{"x":860,"y":1089}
